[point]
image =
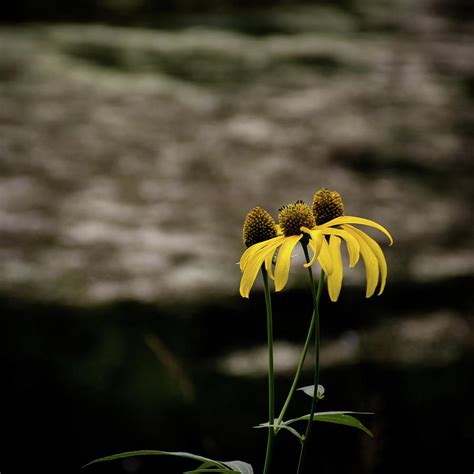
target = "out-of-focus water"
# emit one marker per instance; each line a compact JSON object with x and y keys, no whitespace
{"x":128,"y":160}
{"x":130,"y":157}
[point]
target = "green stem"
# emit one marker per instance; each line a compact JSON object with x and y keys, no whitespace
{"x":271,"y":379}
{"x":297,"y":373}
{"x":316,"y":298}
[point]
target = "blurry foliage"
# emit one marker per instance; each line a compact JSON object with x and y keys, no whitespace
{"x":245,"y":15}
{"x":203,"y":66}
{"x":131,"y":11}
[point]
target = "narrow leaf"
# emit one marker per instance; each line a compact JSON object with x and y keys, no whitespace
{"x":318,"y":414}
{"x":212,"y":470}
{"x":264,"y":425}
{"x":281,"y":426}
{"x":293,"y":431}
{"x":309,"y":390}
{"x":340,"y":418}
{"x":344,"y":420}
{"x":206,"y":465}
{"x":240,"y":466}
{"x":146,"y":452}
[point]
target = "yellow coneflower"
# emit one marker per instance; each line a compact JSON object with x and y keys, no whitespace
{"x":328,"y":212}
{"x":263,"y":237}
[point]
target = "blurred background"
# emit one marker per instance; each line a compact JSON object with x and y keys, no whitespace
{"x":135,"y":135}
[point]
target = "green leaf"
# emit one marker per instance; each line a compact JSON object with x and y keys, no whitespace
{"x":240,"y":466}
{"x":306,"y":417}
{"x":282,"y":426}
{"x":309,"y":390}
{"x":293,"y":431}
{"x":337,"y":417}
{"x":209,"y":467}
{"x":146,"y":452}
{"x":211,"y":470}
{"x":347,"y":420}
{"x":267,"y":425}
{"x":236,"y":467}
{"x":206,"y":465}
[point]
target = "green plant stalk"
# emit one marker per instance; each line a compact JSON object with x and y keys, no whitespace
{"x":306,"y":344}
{"x":271,"y":378}
{"x":316,"y":298}
{"x":297,"y":373}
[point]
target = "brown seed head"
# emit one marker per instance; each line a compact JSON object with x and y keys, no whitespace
{"x":327,"y":205}
{"x":294,"y":216}
{"x":259,"y":225}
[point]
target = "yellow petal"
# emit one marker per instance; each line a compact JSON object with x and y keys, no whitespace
{"x":353,"y":246}
{"x":254,"y":264}
{"x":269,"y":264}
{"x":250,"y":252}
{"x":253,"y":249}
{"x":315,"y":243}
{"x":324,"y":258}
{"x":371,"y":264}
{"x":248,"y":277}
{"x":282,"y":267}
{"x":318,"y":244}
{"x":356,"y":220}
{"x":335,"y":278}
{"x":377,"y":251}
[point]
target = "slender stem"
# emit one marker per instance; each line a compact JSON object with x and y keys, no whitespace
{"x":297,"y":373}
{"x":316,"y":298}
{"x":271,"y":380}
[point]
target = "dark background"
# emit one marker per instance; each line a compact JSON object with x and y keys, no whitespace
{"x":134,"y":138}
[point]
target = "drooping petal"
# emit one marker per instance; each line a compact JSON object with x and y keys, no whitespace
{"x":249,"y":275}
{"x":335,"y":278}
{"x":315,"y":243}
{"x":254,"y":264}
{"x":318,"y":244}
{"x":356,"y":220}
{"x":269,"y":264}
{"x":353,"y":246}
{"x":282,"y":267}
{"x":375,"y":247}
{"x":370,"y":261}
{"x":251,"y":251}
{"x":324,"y":258}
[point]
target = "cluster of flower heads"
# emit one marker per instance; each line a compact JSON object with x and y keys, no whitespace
{"x":322,"y":228}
